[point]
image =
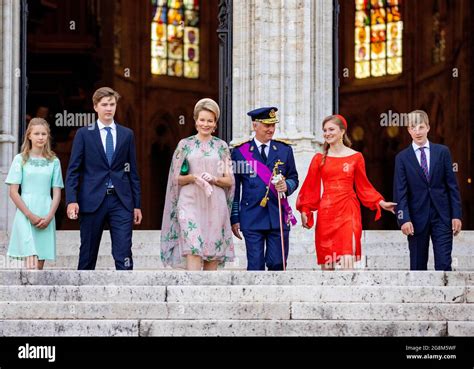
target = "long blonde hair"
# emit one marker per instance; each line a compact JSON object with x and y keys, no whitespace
{"x":26,"y":146}
{"x":345,"y":138}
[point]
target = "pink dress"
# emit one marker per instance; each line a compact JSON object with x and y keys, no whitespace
{"x":194,"y":224}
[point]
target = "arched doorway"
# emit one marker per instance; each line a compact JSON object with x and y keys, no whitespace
{"x":74,"y":47}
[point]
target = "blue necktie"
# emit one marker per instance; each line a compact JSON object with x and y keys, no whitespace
{"x":109,"y":150}
{"x":263,"y":154}
{"x":424,"y":163}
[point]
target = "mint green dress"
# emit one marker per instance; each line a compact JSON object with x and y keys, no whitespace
{"x":36,"y":178}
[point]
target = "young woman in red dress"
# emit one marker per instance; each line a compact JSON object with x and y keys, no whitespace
{"x":341,"y":173}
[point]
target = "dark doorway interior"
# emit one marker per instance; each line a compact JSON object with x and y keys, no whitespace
{"x":74,"y":47}
{"x":436,"y":49}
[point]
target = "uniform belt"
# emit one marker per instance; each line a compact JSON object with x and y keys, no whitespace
{"x":110,"y":191}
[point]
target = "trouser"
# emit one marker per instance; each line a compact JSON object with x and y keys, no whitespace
{"x":442,"y":238}
{"x":258,"y":255}
{"x":120,"y":222}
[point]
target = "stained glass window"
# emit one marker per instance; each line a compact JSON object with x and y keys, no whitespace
{"x":175,"y":38}
{"x":378,"y":38}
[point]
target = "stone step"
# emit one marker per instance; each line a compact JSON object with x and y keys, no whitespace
{"x":59,"y":328}
{"x":146,"y":328}
{"x":382,"y":250}
{"x":368,"y":236}
{"x":83,"y":293}
{"x":381,"y":311}
{"x":388,"y":262}
{"x":144,"y":310}
{"x":465,"y":329}
{"x":300,"y":239}
{"x":295,"y":262}
{"x":71,"y":248}
{"x":395,"y":294}
{"x":401,"y":248}
{"x":260,"y":293}
{"x":174,"y":277}
{"x":236,"y":311}
{"x":234,"y":303}
{"x":304,"y":328}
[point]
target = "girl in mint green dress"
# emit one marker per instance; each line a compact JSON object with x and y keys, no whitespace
{"x":36,"y":170}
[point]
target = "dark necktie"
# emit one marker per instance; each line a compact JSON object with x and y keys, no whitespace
{"x":109,"y":145}
{"x":264,"y":156}
{"x":424,"y":163}
{"x":109,"y":150}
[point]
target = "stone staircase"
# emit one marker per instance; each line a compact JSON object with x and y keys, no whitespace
{"x":382,"y":250}
{"x":152,"y":301}
{"x":236,"y":303}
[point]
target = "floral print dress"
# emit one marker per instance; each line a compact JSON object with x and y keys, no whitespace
{"x":193,"y":223}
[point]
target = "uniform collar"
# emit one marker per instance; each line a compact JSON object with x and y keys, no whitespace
{"x":258,"y":143}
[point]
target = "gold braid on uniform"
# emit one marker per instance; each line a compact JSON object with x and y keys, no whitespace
{"x":282,"y":141}
{"x":241,"y":143}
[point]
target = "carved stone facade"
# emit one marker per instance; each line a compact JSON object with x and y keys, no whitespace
{"x":9,"y":100}
{"x":280,"y":54}
{"x":275,"y":52}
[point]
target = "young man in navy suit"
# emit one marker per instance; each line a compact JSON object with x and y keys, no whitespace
{"x":102,"y":184}
{"x":429,"y":204}
{"x":255,"y":208}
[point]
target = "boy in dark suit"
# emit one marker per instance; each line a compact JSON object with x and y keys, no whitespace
{"x":429,"y":204}
{"x":102,"y":184}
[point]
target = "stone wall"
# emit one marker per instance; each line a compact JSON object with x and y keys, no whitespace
{"x":282,"y":56}
{"x":9,"y":99}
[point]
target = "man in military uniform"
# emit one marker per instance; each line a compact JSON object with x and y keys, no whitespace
{"x":255,"y":209}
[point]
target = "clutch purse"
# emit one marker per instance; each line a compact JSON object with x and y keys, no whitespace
{"x":184,"y":168}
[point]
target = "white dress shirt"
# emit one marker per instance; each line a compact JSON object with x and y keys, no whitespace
{"x":103,"y":132}
{"x":267,"y":149}
{"x":418,"y":152}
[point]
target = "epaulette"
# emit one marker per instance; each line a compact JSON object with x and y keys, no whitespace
{"x":241,"y":143}
{"x":282,"y":141}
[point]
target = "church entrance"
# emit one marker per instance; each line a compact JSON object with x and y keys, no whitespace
{"x":160,"y":55}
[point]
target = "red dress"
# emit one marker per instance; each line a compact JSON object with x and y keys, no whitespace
{"x":339,"y":225}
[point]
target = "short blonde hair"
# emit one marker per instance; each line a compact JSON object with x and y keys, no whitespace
{"x":102,"y":92}
{"x":417,"y":117}
{"x":208,"y":105}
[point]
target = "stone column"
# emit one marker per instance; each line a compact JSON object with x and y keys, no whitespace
{"x":282,"y":56}
{"x":9,"y":100}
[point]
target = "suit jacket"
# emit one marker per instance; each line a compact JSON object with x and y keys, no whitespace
{"x":250,"y":189}
{"x":415,"y":194}
{"x":89,"y":169}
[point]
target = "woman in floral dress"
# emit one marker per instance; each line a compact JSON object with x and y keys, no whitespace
{"x":196,"y":231}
